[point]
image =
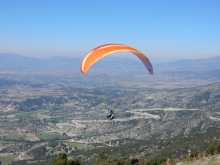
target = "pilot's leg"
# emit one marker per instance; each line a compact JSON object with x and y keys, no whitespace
{"x":112,"y":117}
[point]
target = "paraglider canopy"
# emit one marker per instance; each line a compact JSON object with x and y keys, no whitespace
{"x":101,"y":51}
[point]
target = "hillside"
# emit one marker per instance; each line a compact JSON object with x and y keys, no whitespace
{"x":156,"y":113}
{"x":125,"y":149}
{"x":148,"y":123}
{"x":149,"y":114}
{"x":202,"y":97}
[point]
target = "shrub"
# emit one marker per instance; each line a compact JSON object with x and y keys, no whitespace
{"x":210,"y":150}
{"x":156,"y":161}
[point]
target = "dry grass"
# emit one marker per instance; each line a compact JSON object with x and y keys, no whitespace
{"x":42,"y":116}
{"x":32,"y":138}
{"x":202,"y":160}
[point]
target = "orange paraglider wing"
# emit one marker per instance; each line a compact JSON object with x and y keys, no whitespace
{"x":103,"y":50}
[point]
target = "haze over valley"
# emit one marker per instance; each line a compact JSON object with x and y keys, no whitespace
{"x":48,"y":106}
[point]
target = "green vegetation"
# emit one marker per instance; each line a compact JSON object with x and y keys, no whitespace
{"x":102,"y":159}
{"x":7,"y":159}
{"x":146,"y":149}
{"x":128,"y":150}
{"x":13,"y":136}
{"x":79,"y":146}
{"x":52,"y":143}
{"x":51,"y":136}
{"x":199,"y":155}
{"x":26,"y":112}
{"x":38,"y":153}
{"x":156,"y":161}
{"x":62,"y":159}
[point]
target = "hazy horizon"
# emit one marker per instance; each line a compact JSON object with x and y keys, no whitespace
{"x":128,"y":56}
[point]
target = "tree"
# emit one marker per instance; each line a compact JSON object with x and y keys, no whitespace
{"x":156,"y":161}
{"x":116,"y":161}
{"x":62,"y":159}
{"x":73,"y":162}
{"x":217,"y":148}
{"x":210,"y":150}
{"x":134,"y":161}
{"x":52,"y":144}
{"x":102,"y":157}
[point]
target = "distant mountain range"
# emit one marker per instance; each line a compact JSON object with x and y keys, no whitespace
{"x":14,"y":62}
{"x":194,"y":65}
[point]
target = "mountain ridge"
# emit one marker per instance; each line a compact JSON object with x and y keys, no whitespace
{"x":212,"y":62}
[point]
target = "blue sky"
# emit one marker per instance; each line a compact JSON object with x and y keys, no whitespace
{"x":164,"y":30}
